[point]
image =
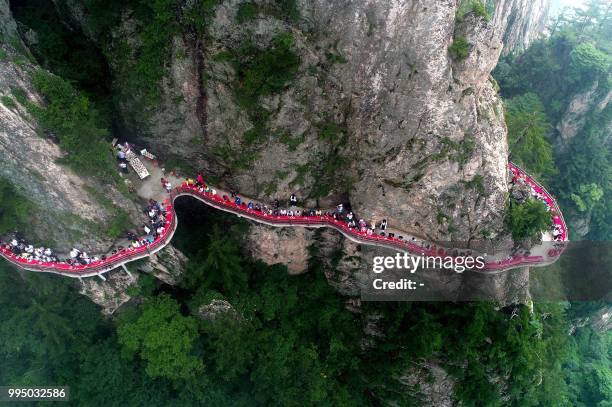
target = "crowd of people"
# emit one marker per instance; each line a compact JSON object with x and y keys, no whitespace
{"x":155,"y":227}
{"x":342,"y":212}
{"x":158,"y":220}
{"x":24,"y":250}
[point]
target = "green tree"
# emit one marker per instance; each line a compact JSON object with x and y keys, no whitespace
{"x":528,"y":220}
{"x":527,"y":129}
{"x":163,"y":338}
{"x":460,"y":48}
{"x":15,"y":210}
{"x":589,"y":195}
{"x":71,"y":117}
{"x":588,"y":63}
{"x":219,"y":265}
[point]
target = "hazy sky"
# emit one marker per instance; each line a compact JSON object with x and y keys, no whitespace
{"x":557,"y":5}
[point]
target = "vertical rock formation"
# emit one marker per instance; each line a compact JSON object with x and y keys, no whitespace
{"x":378,"y":109}
{"x":525,"y":22}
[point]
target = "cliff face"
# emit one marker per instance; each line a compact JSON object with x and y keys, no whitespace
{"x":526,"y":22}
{"x":67,"y":214}
{"x":378,"y":111}
{"x":424,"y":130}
{"x":593,"y":101}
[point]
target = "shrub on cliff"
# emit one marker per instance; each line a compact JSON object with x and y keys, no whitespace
{"x":70,"y":117}
{"x":460,"y":48}
{"x":528,"y":220}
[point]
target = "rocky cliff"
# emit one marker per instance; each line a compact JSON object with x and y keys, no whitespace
{"x":525,"y":22}
{"x":69,"y":209}
{"x":378,"y":110}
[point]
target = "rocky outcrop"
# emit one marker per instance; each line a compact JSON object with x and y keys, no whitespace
{"x":600,"y":320}
{"x":581,"y":106}
{"x":437,"y":391}
{"x":109,"y":294}
{"x":215,"y":309}
{"x":525,"y":22}
{"x":417,"y":137}
{"x":167,"y":265}
{"x":288,"y":246}
{"x":587,"y":108}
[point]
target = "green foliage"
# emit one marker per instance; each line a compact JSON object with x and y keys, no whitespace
{"x":528,"y":220}
{"x":575,"y":59}
{"x":139,"y":70}
{"x":527,"y":130}
{"x":70,"y":116}
{"x":292,"y":143}
{"x":590,"y":370}
{"x":120,"y":221}
{"x":265,"y":72}
{"x":335,"y":58}
{"x":259,"y":72}
{"x":590,"y":195}
{"x":460,"y":48}
{"x":477,"y":7}
{"x":200,"y":15}
{"x":247,"y":11}
{"x":280,"y":9}
{"x":330,"y":131}
{"x":477,"y":184}
{"x":218,"y":266}
{"x":145,"y":287}
{"x":163,"y":338}
{"x":288,"y":340}
{"x":15,"y":210}
{"x":65,"y":50}
{"x":8,"y":102}
{"x":20,"y":96}
{"x":161,"y":26}
{"x":586,"y":61}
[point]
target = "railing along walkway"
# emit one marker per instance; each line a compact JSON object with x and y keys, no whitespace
{"x":130,"y":254}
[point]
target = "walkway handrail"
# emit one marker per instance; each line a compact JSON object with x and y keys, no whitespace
{"x":131,"y":254}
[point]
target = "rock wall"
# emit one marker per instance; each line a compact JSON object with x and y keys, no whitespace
{"x":67,"y":214}
{"x":526,"y":22}
{"x":592,"y":101}
{"x":421,"y":137}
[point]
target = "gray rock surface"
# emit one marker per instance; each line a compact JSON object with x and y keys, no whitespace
{"x":525,"y":22}
{"x":419,"y":130}
{"x":110,"y":294}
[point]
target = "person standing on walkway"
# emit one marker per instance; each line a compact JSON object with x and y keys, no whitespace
{"x":383,"y":225}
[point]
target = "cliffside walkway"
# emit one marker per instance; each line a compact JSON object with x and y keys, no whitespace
{"x":541,"y":255}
